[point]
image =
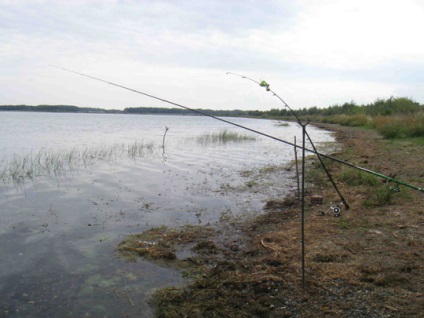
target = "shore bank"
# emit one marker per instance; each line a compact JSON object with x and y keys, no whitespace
{"x":365,"y":263}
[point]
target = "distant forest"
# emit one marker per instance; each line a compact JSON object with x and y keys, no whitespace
{"x":384,"y":107}
{"x":381,"y":107}
{"x":51,"y":109}
{"x":136,"y":110}
{"x":181,"y":111}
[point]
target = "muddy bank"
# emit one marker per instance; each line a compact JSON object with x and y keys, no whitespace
{"x":365,"y":263}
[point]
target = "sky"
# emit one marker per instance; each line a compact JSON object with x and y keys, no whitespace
{"x":312,"y":52}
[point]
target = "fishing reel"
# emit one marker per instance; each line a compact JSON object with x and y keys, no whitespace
{"x":396,"y":189}
{"x":337,"y":209}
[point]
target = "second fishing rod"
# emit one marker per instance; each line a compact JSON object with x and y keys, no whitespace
{"x":305,"y":134}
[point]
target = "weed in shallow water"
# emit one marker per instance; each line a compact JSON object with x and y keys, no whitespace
{"x":282,"y":124}
{"x":251,"y":183}
{"x":223,"y":137}
{"x":50,"y":163}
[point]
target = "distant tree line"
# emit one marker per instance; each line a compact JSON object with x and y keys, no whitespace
{"x":384,"y":107}
{"x":136,"y":110}
{"x":182,"y":111}
{"x":51,"y":109}
{"x":381,"y":107}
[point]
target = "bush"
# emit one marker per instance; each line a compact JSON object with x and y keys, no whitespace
{"x":348,"y":120}
{"x":401,"y":126}
{"x":358,"y":120}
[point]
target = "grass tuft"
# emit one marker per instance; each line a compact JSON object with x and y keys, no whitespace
{"x":50,"y":163}
{"x":223,"y":137}
{"x":355,"y":177}
{"x":380,"y":196}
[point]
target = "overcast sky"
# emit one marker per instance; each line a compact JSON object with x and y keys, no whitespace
{"x":312,"y":52}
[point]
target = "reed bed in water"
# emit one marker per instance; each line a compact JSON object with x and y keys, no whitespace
{"x":52,"y":163}
{"x":223,"y":137}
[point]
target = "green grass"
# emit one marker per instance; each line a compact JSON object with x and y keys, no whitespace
{"x":379,"y":196}
{"x":355,"y":177}
{"x":418,"y":140}
{"x":344,"y":224}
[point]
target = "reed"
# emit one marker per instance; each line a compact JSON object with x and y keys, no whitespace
{"x":51,"y":163}
{"x":223,"y":137}
{"x":282,"y":124}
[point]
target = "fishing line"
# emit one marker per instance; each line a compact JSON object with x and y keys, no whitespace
{"x":389,"y":179}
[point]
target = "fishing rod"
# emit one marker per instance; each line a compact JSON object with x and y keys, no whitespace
{"x":266,"y":85}
{"x":389,"y":179}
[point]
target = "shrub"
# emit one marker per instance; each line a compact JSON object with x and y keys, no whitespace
{"x":348,"y":120}
{"x":401,"y":126}
{"x":358,"y":120}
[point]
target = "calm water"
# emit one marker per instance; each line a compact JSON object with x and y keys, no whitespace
{"x":59,"y":232}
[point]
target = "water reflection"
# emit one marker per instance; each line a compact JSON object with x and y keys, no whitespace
{"x":59,"y":233}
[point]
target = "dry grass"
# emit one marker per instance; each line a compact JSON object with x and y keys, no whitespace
{"x":400,"y":126}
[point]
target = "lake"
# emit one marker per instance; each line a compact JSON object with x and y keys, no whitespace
{"x":72,"y":186}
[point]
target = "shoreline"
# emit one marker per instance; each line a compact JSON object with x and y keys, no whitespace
{"x":365,"y":263}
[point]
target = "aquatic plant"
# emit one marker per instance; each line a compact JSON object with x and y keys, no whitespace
{"x":282,"y":124}
{"x":48,"y":162}
{"x":223,"y":137}
{"x":160,"y":244}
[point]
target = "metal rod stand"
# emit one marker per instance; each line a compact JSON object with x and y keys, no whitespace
{"x":303,"y":202}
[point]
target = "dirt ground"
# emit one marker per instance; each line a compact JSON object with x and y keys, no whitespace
{"x":368,"y":262}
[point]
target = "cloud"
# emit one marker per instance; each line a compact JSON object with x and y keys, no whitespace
{"x":348,"y":34}
{"x":366,"y":48}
